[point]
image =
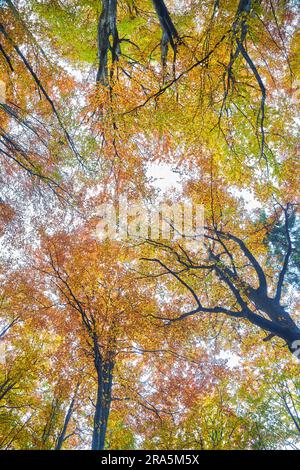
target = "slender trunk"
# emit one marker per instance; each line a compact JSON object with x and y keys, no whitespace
{"x":98,"y":411}
{"x":61,"y":437}
{"x":294,"y":419}
{"x":50,"y":423}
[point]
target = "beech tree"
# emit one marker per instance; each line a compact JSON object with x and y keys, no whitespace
{"x":144,"y":342}
{"x":230,"y":264}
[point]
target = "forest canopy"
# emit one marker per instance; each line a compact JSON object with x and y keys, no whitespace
{"x":149,"y":224}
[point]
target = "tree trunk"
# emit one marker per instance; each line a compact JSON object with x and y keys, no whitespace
{"x":104,"y":369}
{"x":107,"y":27}
{"x":62,"y":436}
{"x":169,"y":32}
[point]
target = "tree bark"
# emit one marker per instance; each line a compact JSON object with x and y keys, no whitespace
{"x":169,"y":32}
{"x":62,"y":436}
{"x":107,"y":27}
{"x":104,"y":369}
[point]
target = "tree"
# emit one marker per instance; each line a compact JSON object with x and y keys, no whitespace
{"x":96,"y":298}
{"x":228,"y":263}
{"x":142,"y":342}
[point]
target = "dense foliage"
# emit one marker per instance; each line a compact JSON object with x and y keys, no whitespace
{"x":143,"y":342}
